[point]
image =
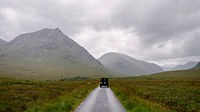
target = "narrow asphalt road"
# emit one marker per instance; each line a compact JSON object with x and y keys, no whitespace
{"x":101,"y":100}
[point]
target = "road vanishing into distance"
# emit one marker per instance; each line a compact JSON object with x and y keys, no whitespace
{"x":101,"y":100}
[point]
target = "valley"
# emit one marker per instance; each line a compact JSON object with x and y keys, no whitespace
{"x":99,"y":56}
{"x":176,"y":91}
{"x":47,"y":71}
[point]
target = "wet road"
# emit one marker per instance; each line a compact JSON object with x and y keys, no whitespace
{"x":101,"y":100}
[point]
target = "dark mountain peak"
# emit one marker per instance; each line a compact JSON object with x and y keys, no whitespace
{"x":43,"y":36}
{"x":43,"y":39}
{"x":57,"y":29}
{"x":43,"y":32}
{"x":50,"y":30}
{"x":47,"y":31}
{"x":49,"y":43}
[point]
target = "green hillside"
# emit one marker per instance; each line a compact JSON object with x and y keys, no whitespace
{"x":51,"y":68}
{"x":175,"y":91}
{"x":53,"y":72}
{"x":182,"y":74}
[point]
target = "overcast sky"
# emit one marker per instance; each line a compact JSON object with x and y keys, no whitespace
{"x":166,"y":32}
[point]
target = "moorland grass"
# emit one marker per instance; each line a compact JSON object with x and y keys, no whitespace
{"x":43,"y":96}
{"x":173,"y":92}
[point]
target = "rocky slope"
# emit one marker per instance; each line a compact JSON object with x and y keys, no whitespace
{"x":48,"y":53}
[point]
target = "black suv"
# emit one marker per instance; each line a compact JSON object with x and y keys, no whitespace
{"x":104,"y":82}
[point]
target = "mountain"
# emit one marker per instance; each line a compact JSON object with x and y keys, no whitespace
{"x":186,"y":66}
{"x":127,"y":65}
{"x":2,"y":42}
{"x":48,"y":54}
{"x":197,"y":66}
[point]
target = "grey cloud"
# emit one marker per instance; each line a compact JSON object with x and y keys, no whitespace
{"x":166,"y":29}
{"x":159,"y":20}
{"x":191,"y":46}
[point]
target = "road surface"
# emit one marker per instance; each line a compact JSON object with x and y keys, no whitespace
{"x":101,"y":100}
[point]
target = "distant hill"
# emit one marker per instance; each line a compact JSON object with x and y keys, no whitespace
{"x":2,"y":42}
{"x":48,"y":54}
{"x":127,"y":65}
{"x":186,"y":66}
{"x":197,"y":66}
{"x":176,"y":75}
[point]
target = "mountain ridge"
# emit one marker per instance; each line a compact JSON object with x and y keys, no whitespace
{"x":2,"y":42}
{"x":127,"y":65}
{"x":185,"y":66}
{"x":48,"y":52}
{"x":36,"y":43}
{"x":197,"y":67}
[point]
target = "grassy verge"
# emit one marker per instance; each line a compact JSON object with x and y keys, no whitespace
{"x":134,"y":103}
{"x":153,"y":94}
{"x":41,"y":96}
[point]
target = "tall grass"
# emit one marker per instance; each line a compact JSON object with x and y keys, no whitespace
{"x":151,"y":94}
{"x":41,"y":96}
{"x":134,"y":103}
